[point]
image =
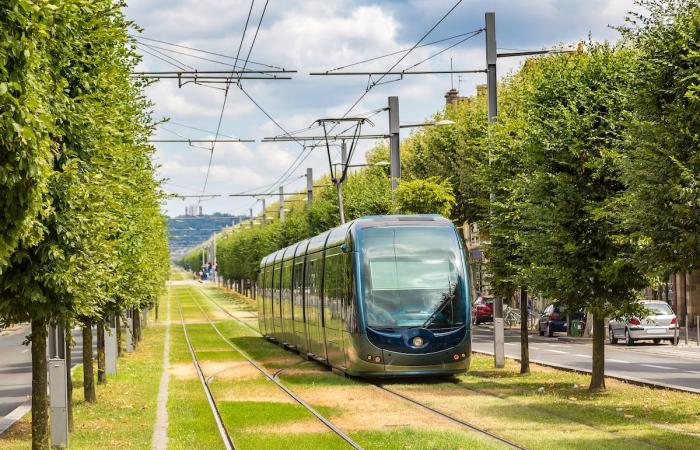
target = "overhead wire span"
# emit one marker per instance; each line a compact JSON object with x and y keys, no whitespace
{"x":461,"y":41}
{"x":202,"y":51}
{"x":226,"y":91}
{"x":402,"y":51}
{"x":161,"y":58}
{"x":170,"y":50}
{"x":167,"y":56}
{"x":406,"y":53}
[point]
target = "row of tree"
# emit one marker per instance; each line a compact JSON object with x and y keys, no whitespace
{"x":587,"y":185}
{"x":81,"y":233}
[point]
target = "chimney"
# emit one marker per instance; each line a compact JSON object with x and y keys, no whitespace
{"x":452,"y":96}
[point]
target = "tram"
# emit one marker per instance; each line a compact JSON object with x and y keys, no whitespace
{"x":380,"y":296}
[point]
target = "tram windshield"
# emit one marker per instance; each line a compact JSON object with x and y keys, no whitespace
{"x":411,"y":277}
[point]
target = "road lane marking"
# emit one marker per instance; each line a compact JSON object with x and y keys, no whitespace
{"x":582,"y":356}
{"x":617,"y":361}
{"x":535,"y":348}
{"x":557,"y":351}
{"x":693,"y":371}
{"x":654,"y":366}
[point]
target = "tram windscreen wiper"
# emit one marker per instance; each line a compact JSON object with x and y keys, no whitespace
{"x":447,"y":298}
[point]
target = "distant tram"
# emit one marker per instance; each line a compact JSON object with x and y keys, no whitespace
{"x":380,"y":296}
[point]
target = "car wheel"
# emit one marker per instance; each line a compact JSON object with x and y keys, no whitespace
{"x":657,"y":341}
{"x":611,"y":336}
{"x":550,"y":333}
{"x":539,"y":328}
{"x":628,"y":338}
{"x":674,"y":340}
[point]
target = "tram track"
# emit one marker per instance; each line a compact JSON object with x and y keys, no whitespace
{"x":455,"y":420}
{"x":221,"y":427}
{"x":332,"y":427}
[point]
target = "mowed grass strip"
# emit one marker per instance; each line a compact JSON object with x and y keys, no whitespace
{"x":562,"y":414}
{"x":125,"y":411}
{"x":659,"y":417}
{"x":253,"y":420}
{"x":376,"y":420}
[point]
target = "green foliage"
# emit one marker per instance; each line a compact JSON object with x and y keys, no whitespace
{"x":566,"y":199}
{"x":662,"y":158}
{"x":453,"y":153}
{"x":430,"y":196}
{"x":84,"y":191}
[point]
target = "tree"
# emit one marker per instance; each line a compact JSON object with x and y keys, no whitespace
{"x":662,"y":157}
{"x":430,"y":196}
{"x":575,"y":109}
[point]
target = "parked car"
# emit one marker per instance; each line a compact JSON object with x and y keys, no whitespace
{"x":660,"y":324}
{"x":482,"y":310}
{"x":553,"y":319}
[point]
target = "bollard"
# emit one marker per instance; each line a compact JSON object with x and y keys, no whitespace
{"x":58,"y":387}
{"x":686,"y":329}
{"x":58,"y":400}
{"x":498,"y":354}
{"x":697,"y":328}
{"x":111,"y":346}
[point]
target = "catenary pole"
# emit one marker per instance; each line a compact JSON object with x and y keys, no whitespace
{"x":492,"y":93}
{"x":394,"y":152}
{"x":281,"y":203}
{"x":309,"y":186}
{"x":264,"y":214}
{"x":339,"y":183}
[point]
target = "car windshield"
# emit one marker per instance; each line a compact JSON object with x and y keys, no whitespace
{"x":658,"y":309}
{"x":411,"y":277}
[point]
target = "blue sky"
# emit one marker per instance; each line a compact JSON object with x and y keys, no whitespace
{"x":315,"y":35}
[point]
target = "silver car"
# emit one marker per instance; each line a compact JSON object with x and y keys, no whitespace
{"x":661,"y":324}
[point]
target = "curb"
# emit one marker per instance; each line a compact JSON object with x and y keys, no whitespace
{"x":631,"y":380}
{"x":14,"y":415}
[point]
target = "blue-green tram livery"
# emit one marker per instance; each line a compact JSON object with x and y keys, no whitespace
{"x":378,"y":296}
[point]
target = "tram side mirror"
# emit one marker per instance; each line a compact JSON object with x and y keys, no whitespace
{"x":344,"y":248}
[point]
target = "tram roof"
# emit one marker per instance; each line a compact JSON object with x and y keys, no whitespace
{"x":338,"y":234}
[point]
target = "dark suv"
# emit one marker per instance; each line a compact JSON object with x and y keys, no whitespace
{"x":553,"y":319}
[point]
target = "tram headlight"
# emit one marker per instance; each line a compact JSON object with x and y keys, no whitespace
{"x":417,"y":341}
{"x":377,"y":359}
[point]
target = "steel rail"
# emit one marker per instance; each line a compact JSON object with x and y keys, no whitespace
{"x":223,"y":432}
{"x":453,"y":419}
{"x":279,"y":384}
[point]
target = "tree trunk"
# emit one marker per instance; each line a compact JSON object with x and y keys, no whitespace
{"x":40,"y":399}
{"x":69,"y":378}
{"x":157,"y":306}
{"x":524,"y":320}
{"x":101,"y":370}
{"x":136,"y":324}
{"x":598,"y":372}
{"x":119,"y":334}
{"x":88,"y":366}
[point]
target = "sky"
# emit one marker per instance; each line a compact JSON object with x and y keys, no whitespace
{"x":318,"y":35}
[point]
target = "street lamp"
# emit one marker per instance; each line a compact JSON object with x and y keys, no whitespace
{"x":432,"y":123}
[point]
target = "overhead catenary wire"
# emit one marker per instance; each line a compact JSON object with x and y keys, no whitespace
{"x":203,"y":51}
{"x":369,"y":87}
{"x":223,"y":105}
{"x":402,"y":51}
{"x":165,"y":55}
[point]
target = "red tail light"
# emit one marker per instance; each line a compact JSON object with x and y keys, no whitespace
{"x":634,"y":321}
{"x":552,"y":316}
{"x":674,"y":321}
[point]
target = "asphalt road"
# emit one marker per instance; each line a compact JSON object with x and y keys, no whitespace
{"x":16,"y":368}
{"x":661,"y":364}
